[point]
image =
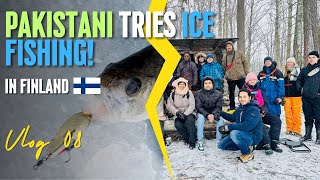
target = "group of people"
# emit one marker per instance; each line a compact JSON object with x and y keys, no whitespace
{"x":198,"y":94}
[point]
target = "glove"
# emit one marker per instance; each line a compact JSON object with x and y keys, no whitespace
{"x":224,"y":129}
{"x":180,"y":115}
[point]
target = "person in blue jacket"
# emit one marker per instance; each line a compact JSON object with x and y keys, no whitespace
{"x":247,"y":129}
{"x":271,"y":83}
{"x":214,"y":69}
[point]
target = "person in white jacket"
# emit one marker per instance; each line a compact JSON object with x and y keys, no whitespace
{"x":181,"y":104}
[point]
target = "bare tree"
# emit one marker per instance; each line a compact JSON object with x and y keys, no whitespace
{"x":276,"y":31}
{"x":220,"y":19}
{"x":253,"y":17}
{"x":250,"y":29}
{"x":240,"y":25}
{"x":232,"y":18}
{"x":306,"y":29}
{"x":225,"y":21}
{"x":297,"y":31}
{"x":177,"y":6}
{"x":314,"y":24}
{"x":289,"y":34}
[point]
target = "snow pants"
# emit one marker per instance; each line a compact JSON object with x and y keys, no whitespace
{"x":292,"y":108}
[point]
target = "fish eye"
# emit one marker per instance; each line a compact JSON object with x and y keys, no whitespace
{"x":133,"y":86}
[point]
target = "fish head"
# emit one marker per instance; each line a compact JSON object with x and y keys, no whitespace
{"x":126,"y":86}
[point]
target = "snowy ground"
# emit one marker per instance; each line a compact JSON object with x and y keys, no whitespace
{"x":216,"y":164}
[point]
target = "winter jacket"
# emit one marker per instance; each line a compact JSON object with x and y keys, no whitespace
{"x":239,"y":68}
{"x":209,"y":102}
{"x":290,"y":82}
{"x":308,"y":81}
{"x":181,"y":103}
{"x":257,"y":95}
{"x":198,"y":85}
{"x":247,"y":118}
{"x":188,"y":70}
{"x":214,"y":70}
{"x":272,"y":85}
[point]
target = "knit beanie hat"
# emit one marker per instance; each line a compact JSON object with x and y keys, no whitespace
{"x":251,"y":76}
{"x":291,"y":60}
{"x":230,"y":42}
{"x":315,"y":53}
{"x":268,"y":58}
{"x":208,"y":78}
{"x":209,"y":56}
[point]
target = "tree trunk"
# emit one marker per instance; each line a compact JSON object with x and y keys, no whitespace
{"x":231,"y":8}
{"x":306,"y":30}
{"x":240,"y":25}
{"x":276,"y":32}
{"x":250,"y":31}
{"x":290,"y":6}
{"x":220,"y":19}
{"x":314,"y":24}
{"x":225,"y":22}
{"x":297,"y":37}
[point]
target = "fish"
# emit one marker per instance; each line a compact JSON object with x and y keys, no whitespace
{"x":125,"y":88}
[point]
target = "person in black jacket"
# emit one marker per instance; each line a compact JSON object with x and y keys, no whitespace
{"x":208,"y":105}
{"x":200,"y":60}
{"x":247,"y":130}
{"x":308,"y":83}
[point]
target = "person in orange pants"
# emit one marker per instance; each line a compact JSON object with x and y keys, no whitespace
{"x":292,"y":98}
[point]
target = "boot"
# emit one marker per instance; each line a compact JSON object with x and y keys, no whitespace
{"x":168,"y":140}
{"x":307,"y":136}
{"x":246,"y":157}
{"x":267,"y":149}
{"x":275,"y":147}
{"x":192,"y":146}
{"x":200,"y":146}
{"x":259,"y":147}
